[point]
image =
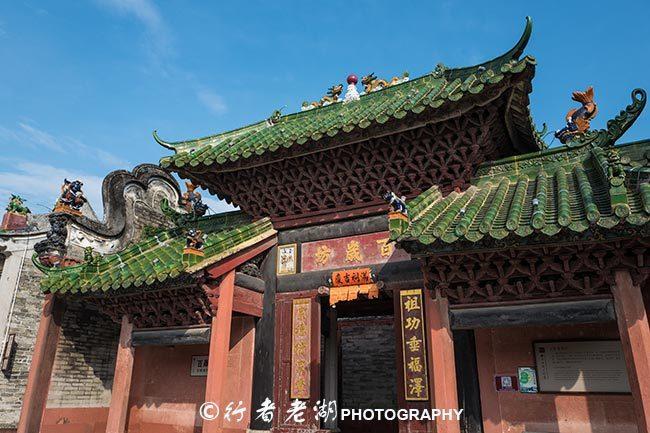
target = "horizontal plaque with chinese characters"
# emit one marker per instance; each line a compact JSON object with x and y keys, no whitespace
{"x":416,"y":384}
{"x":300,"y":348}
{"x":369,"y":249}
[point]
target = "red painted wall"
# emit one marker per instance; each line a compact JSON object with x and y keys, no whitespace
{"x":165,"y":398}
{"x":74,"y":420}
{"x":501,"y":351}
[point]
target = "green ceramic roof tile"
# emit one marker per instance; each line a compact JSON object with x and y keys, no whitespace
{"x":429,"y":91}
{"x":589,"y":182}
{"x":159,"y":257}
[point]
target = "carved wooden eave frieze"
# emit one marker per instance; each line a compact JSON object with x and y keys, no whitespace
{"x":550,"y":272}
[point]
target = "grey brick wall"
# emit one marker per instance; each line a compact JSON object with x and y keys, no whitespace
{"x":24,"y":324}
{"x":85,"y":359}
{"x":368,"y":363}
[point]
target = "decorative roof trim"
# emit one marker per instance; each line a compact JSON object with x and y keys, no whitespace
{"x":456,"y":82}
{"x":616,"y":127}
{"x":591,"y":171}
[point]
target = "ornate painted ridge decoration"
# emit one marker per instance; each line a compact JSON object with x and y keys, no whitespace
{"x":17,"y":206}
{"x":71,"y":199}
{"x":158,"y":258}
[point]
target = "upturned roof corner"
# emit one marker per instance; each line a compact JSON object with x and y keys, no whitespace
{"x":589,"y":183}
{"x":442,"y":87}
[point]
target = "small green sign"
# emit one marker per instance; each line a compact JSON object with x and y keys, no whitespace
{"x":527,"y":380}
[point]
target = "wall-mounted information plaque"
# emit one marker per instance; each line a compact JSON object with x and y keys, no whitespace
{"x":581,"y":366}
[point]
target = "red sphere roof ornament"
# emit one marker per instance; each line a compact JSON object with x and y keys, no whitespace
{"x":352,"y":79}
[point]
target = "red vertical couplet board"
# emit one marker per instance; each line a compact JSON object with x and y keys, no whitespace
{"x":416,"y":384}
{"x":300,"y":348}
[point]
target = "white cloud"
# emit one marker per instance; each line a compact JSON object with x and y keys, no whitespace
{"x":158,"y":39}
{"x":102,"y":156}
{"x":40,"y":184}
{"x":144,"y":10}
{"x":27,"y":134}
{"x":40,"y":138}
{"x":211,"y":101}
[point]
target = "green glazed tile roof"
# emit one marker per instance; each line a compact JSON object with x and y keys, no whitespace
{"x":431,"y":91}
{"x":590,"y":182}
{"x":159,"y":257}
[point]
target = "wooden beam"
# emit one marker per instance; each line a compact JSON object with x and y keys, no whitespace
{"x":171,"y":337}
{"x":245,"y":301}
{"x":40,"y":370}
{"x":230,"y":263}
{"x":219,"y":349}
{"x":119,"y":408}
{"x":549,"y":313}
{"x":442,"y":366}
{"x":635,"y":339}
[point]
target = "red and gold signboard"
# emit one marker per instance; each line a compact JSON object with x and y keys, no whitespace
{"x":352,"y":284}
{"x":369,"y":249}
{"x":300,"y":348}
{"x":352,"y":277}
{"x":416,"y":384}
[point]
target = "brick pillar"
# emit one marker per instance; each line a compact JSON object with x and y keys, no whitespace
{"x":40,"y":370}
{"x":635,"y":338}
{"x":118,"y":411}
{"x":219,"y":348}
{"x":442,"y":366}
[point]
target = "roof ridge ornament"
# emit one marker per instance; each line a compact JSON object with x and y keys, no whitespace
{"x":372,"y":84}
{"x":351,"y":94}
{"x":578,"y":119}
{"x":331,"y":97}
{"x":616,"y":127}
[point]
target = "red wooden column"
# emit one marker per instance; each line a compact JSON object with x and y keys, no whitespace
{"x":442,"y":366}
{"x":40,"y":370}
{"x":118,"y":411}
{"x":635,"y":338}
{"x":219,"y":348}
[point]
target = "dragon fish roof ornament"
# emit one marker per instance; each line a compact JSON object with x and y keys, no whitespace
{"x":578,"y":119}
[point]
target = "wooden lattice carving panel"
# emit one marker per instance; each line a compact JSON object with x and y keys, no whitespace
{"x":536,"y":273}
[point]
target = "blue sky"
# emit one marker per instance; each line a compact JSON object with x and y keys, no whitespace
{"x":84,"y":82}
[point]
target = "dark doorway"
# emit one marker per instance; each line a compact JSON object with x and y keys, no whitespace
{"x":368,"y":378}
{"x":467,"y":382}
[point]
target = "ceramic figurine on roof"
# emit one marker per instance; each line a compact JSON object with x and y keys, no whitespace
{"x":397,"y":204}
{"x":275,"y":117}
{"x":577,"y":119}
{"x":71,"y":199}
{"x":371,"y":83}
{"x":194,"y":242}
{"x":192,"y":202}
{"x":16,"y":205}
{"x":332,"y":96}
{"x":351,"y":94}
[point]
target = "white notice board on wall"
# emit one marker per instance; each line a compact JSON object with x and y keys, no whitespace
{"x":581,"y":366}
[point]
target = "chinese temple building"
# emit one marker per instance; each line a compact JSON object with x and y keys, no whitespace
{"x":504,"y":278}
